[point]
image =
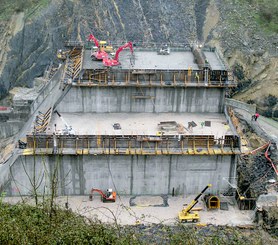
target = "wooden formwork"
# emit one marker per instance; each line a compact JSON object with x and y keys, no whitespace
{"x":136,"y":144}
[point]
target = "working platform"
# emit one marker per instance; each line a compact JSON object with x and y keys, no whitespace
{"x":143,"y":123}
{"x":146,"y":59}
{"x":136,"y":133}
{"x":148,"y":67}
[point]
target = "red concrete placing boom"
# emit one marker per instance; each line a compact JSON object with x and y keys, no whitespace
{"x":109,"y":196}
{"x":115,"y":61}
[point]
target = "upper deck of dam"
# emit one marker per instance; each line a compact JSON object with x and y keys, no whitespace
{"x":149,"y":66}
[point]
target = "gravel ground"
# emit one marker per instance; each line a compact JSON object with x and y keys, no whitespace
{"x":149,"y":213}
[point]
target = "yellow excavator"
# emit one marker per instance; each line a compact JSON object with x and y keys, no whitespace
{"x":186,"y":215}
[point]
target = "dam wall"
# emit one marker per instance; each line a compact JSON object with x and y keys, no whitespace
{"x":143,"y":99}
{"x":130,"y":175}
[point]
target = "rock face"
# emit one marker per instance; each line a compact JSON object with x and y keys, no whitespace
{"x":34,"y":47}
{"x":29,"y":42}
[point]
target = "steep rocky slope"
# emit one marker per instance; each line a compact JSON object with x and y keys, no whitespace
{"x":31,"y":36}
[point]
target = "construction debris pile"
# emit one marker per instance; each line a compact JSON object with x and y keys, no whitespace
{"x":255,"y":175}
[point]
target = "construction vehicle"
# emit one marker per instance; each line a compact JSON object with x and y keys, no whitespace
{"x":115,"y":61}
{"x":22,"y":144}
{"x":101,"y":49}
{"x":68,"y":130}
{"x":108,"y":196}
{"x":186,"y":215}
{"x":164,"y":50}
{"x":62,"y":55}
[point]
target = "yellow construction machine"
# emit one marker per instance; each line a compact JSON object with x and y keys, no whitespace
{"x":62,"y":55}
{"x":104,"y":47}
{"x":187,"y":215}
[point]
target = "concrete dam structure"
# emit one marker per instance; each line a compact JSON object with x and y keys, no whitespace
{"x":154,"y":124}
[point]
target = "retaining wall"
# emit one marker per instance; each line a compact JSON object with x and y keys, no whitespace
{"x":251,"y":108}
{"x":143,"y":99}
{"x":129,"y":174}
{"x":8,"y":129}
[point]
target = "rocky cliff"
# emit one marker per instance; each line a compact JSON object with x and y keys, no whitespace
{"x":33,"y":32}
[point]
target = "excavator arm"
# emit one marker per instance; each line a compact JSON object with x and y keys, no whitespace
{"x":120,"y":49}
{"x":100,"y":54}
{"x":104,"y":197}
{"x":92,"y":38}
{"x":99,"y":191}
{"x":115,"y":61}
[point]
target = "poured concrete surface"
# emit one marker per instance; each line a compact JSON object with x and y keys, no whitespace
{"x":140,"y":123}
{"x":151,"y":60}
{"x":181,"y":60}
{"x":214,"y":61}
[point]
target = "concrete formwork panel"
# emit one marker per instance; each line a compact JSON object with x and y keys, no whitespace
{"x":28,"y":173}
{"x":190,"y":176}
{"x":150,"y":175}
{"x":130,"y":175}
{"x":152,"y":100}
{"x":103,"y":172}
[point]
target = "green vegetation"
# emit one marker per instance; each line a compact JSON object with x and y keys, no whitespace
{"x":30,"y":7}
{"x":25,"y":224}
{"x":242,"y":81}
{"x":22,"y":224}
{"x":269,"y":15}
{"x":266,"y":13}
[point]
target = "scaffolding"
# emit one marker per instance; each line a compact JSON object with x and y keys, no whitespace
{"x":133,"y":144}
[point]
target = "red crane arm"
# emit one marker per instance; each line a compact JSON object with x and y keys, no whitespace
{"x":91,"y":37}
{"x":120,"y":49}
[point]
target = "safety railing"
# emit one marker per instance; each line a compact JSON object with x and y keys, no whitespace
{"x":150,"y":77}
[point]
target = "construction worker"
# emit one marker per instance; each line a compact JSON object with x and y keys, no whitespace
{"x":197,"y":77}
{"x":55,"y":147}
{"x":189,"y":73}
{"x":256,"y":116}
{"x":206,"y":63}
